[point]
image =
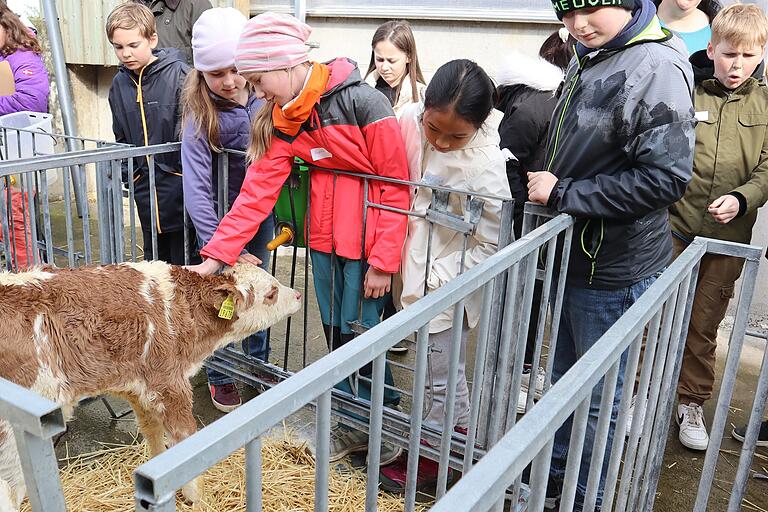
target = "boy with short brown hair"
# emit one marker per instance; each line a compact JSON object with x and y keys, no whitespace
{"x":730,"y":182}
{"x":144,"y":99}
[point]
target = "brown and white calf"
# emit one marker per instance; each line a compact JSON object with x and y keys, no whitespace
{"x":135,"y":330}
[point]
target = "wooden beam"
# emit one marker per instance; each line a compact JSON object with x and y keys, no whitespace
{"x":243,"y":6}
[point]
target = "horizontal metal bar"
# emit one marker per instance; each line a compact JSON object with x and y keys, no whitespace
{"x":91,"y":156}
{"x":757,"y":334}
{"x":450,"y":221}
{"x":725,"y":248}
{"x":415,"y":184}
{"x":62,"y":136}
{"x":28,"y":411}
{"x":172,"y":469}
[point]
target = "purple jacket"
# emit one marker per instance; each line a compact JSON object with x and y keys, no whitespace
{"x":31,"y":80}
{"x":200,"y":165}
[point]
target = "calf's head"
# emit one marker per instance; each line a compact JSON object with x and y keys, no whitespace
{"x":258,"y":299}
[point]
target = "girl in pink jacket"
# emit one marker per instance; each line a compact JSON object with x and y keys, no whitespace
{"x":325,"y":114}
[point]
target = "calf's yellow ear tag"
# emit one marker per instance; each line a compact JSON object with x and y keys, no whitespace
{"x":227,"y":309}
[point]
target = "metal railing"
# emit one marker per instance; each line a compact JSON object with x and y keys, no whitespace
{"x":512,"y":310}
{"x":108,"y":232}
{"x":31,"y":422}
{"x":660,"y":316}
{"x":27,"y":225}
{"x":158,"y":479}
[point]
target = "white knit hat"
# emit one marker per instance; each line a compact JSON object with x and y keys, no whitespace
{"x":214,"y":38}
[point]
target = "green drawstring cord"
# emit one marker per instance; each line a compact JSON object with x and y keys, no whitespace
{"x":592,"y":257}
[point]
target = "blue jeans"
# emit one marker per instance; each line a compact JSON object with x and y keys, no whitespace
{"x":587,"y":314}
{"x":255,"y":345}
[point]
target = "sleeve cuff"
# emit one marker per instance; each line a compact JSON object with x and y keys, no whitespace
{"x":742,"y":203}
{"x":552,"y":200}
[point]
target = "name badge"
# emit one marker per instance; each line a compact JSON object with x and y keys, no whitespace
{"x":702,"y":116}
{"x":319,"y":154}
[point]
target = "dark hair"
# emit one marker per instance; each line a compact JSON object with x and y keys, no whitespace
{"x":463,"y":86}
{"x":399,"y":33}
{"x":556,"y":51}
{"x":709,"y":7}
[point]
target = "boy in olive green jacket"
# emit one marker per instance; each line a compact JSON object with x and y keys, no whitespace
{"x":730,"y":182}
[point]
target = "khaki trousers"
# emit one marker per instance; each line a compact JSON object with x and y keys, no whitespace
{"x":714,"y":290}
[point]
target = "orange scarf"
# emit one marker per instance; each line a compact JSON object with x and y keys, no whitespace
{"x":289,"y":119}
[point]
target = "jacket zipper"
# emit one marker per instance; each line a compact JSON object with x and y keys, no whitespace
{"x":728,"y":98}
{"x":571,"y":88}
{"x":140,"y":100}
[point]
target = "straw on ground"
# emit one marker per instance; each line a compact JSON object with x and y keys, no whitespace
{"x":102,"y":482}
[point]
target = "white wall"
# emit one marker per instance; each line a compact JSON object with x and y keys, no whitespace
{"x":437,"y":42}
{"x":25,"y":7}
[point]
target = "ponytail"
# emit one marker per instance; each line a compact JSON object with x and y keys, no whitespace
{"x":262,"y":129}
{"x":198,"y":109}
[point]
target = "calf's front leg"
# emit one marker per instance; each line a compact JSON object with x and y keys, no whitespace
{"x":179,"y":424}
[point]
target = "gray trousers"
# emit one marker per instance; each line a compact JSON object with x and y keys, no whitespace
{"x":439,"y":360}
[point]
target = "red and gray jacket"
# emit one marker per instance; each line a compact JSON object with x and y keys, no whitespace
{"x":352,"y":128}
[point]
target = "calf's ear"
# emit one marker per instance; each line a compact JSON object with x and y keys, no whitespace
{"x":222,"y":290}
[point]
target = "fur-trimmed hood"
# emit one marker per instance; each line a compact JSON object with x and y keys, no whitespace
{"x":534,"y":72}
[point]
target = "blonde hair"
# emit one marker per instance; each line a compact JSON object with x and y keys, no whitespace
{"x":742,"y":25}
{"x":131,"y":15}
{"x":198,"y":108}
{"x":262,"y":128}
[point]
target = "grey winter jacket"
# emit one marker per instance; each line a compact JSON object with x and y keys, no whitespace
{"x":621,"y":144}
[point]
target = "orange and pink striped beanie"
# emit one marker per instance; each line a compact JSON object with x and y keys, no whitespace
{"x":272,"y":41}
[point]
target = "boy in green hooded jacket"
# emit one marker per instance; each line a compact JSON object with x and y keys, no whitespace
{"x":730,"y":182}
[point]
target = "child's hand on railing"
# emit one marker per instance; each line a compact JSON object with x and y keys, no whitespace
{"x":377,"y":283}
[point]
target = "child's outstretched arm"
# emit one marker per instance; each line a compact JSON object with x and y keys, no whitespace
{"x":258,"y":196}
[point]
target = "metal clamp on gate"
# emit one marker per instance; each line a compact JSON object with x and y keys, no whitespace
{"x":438,"y":213}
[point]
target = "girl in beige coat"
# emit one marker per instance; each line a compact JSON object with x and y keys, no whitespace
{"x":451,"y":140}
{"x":394,"y":68}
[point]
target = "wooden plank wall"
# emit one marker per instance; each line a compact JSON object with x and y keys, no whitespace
{"x":82,"y":28}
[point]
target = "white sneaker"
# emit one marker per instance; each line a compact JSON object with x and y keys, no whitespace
{"x":526,"y":382}
{"x":522,"y":398}
{"x":693,"y":432}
